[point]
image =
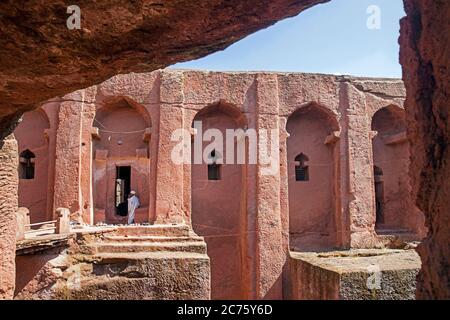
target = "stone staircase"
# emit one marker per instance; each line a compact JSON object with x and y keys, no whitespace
{"x":146,"y":239}
{"x":142,"y":262}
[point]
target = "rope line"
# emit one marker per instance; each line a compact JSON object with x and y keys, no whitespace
{"x":117,"y":132}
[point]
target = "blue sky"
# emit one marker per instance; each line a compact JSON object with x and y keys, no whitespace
{"x":328,"y":38}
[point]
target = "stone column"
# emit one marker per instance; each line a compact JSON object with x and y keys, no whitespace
{"x":334,"y":139}
{"x":169,"y":176}
{"x":358,"y":197}
{"x":8,"y":207}
{"x":284,"y":205}
{"x":271,"y":240}
{"x":68,"y":154}
{"x":250,"y":238}
{"x":86,"y":158}
{"x":52,"y":110}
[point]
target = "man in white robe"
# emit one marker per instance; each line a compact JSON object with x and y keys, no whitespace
{"x":133,"y":204}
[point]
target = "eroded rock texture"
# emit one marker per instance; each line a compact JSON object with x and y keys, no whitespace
{"x":425,"y":56}
{"x":41,"y":58}
{"x":355,"y":275}
{"x":8,"y":206}
{"x":127,"y":263}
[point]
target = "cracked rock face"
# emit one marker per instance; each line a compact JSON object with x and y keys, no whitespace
{"x":41,"y":58}
{"x":9,"y":161}
{"x":425,"y":56}
{"x":77,"y":269}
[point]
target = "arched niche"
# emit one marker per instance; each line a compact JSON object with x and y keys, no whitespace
{"x":219,"y":202}
{"x":313,"y":153}
{"x":121,"y":159}
{"x":391,"y":162}
{"x":31,"y":136}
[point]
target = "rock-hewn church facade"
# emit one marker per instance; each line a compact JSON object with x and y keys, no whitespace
{"x":341,"y":178}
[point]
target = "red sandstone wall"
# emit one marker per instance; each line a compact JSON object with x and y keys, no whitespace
{"x":52,"y":110}
{"x":141,"y":92}
{"x":121,"y":131}
{"x":263,"y":101}
{"x":31,"y":134}
{"x":312,"y":203}
{"x":393,"y":160}
{"x":68,"y":149}
{"x":218,"y":212}
{"x":264,"y":220}
{"x":425,"y":56}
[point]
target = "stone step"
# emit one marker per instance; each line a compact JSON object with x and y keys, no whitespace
{"x":130,"y":247}
{"x":388,"y":231}
{"x":121,"y":257}
{"x":116,"y":238}
{"x":177,"y":230}
{"x":387,"y":234}
{"x":407,"y":237}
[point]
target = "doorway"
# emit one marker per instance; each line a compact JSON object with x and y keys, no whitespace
{"x":123,"y":188}
{"x":379,"y":195}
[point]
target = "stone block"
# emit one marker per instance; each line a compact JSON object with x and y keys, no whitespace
{"x":63,"y":220}
{"x":23,"y":221}
{"x":369,"y":274}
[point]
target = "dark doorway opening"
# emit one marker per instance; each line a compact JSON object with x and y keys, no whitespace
{"x":379,"y":195}
{"x":123,"y":188}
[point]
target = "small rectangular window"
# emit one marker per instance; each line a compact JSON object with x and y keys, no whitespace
{"x":301,"y":173}
{"x":213,"y":172}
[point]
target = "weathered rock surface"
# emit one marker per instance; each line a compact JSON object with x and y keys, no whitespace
{"x":132,"y":263}
{"x":425,"y":56}
{"x":8,"y":206}
{"x":41,"y":58}
{"x":355,"y":275}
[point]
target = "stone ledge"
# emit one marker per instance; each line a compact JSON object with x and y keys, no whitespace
{"x":49,"y":242}
{"x":348,"y":275}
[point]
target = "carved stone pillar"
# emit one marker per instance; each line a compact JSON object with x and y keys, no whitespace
{"x":272,"y":238}
{"x":169,"y":175}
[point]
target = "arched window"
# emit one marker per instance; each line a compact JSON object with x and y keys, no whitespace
{"x":214,"y":167}
{"x":26,"y":164}
{"x":301,"y":168}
